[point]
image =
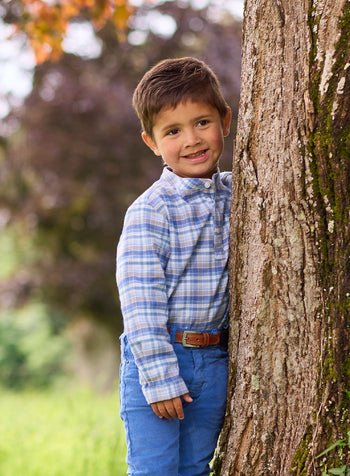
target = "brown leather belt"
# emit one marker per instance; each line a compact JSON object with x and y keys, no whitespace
{"x":200,"y":339}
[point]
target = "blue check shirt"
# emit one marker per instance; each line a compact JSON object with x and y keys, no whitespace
{"x":172,"y":271}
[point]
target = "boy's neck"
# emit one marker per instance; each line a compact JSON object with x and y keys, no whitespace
{"x":201,"y":178}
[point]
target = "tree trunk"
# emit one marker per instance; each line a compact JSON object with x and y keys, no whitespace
{"x":289,"y":389}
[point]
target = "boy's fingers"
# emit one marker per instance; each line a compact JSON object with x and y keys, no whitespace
{"x":187,"y":398}
{"x":160,"y":410}
{"x":177,"y":408}
{"x":171,"y":408}
{"x":164,"y":410}
{"x":156,"y":410}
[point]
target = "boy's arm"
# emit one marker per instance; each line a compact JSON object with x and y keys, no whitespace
{"x":142,"y":256}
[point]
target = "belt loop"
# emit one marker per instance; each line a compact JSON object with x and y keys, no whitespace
{"x":172,"y":333}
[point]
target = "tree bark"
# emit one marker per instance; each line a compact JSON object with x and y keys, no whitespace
{"x":290,"y":242}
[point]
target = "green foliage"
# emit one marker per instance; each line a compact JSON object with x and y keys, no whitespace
{"x":343,"y":470}
{"x":8,"y":254}
{"x":16,"y":249}
{"x":32,"y":351}
{"x":60,"y":434}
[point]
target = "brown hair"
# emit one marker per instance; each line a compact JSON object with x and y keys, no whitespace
{"x":173,"y":81}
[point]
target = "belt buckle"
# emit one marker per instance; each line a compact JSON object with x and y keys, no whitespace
{"x":184,"y":337}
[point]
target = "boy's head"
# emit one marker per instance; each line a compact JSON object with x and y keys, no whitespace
{"x":173,"y":81}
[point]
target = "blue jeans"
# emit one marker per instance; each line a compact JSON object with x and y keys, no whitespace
{"x":161,"y":447}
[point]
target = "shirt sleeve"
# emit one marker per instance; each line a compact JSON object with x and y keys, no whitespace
{"x":142,"y":254}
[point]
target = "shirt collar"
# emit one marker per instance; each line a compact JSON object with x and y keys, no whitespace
{"x":187,"y":186}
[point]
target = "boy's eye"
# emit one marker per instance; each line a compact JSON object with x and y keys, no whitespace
{"x":203,"y":122}
{"x":172,"y":132}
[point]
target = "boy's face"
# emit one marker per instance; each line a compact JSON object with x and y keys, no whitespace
{"x":189,"y":138}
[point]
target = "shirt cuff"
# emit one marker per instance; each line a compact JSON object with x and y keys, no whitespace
{"x":164,"y":389}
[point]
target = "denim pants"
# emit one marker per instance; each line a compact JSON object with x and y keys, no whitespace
{"x":161,"y":447}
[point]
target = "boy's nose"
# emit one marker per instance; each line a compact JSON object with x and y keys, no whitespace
{"x":191,"y":138}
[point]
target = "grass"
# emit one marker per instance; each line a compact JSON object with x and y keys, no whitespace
{"x":50,"y":433}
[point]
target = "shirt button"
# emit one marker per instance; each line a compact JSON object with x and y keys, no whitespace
{"x":207,"y":185}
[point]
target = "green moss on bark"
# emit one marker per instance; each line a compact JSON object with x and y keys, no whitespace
{"x":301,"y":455}
{"x":329,"y":153}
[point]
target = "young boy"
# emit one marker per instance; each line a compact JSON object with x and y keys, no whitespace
{"x":173,"y":279}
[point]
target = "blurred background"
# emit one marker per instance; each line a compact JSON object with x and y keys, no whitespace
{"x":71,"y":162}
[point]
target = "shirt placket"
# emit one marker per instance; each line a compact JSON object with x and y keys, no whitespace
{"x":218,"y":226}
{"x":217,"y":214}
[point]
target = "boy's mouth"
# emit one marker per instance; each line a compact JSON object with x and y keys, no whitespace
{"x":199,"y":155}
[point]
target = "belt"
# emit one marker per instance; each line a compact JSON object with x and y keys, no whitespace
{"x":201,"y":339}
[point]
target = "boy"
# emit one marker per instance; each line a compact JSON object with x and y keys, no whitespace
{"x":173,"y":279}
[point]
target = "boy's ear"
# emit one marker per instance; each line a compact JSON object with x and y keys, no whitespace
{"x":150,"y":143}
{"x":226,"y":122}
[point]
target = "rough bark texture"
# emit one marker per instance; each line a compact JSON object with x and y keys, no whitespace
{"x":290,"y":242}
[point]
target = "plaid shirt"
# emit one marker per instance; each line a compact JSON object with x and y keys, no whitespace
{"x":172,"y":270}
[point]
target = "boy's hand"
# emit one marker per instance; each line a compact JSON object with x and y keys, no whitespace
{"x":171,"y":408}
